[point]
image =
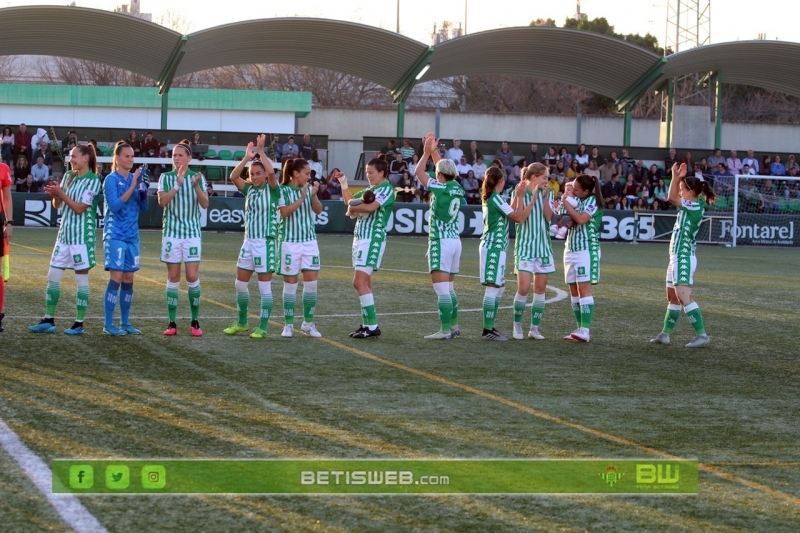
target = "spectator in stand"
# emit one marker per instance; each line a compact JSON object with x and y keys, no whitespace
{"x":28,"y":185}
{"x":389,"y":149}
{"x":607,"y":171}
{"x":396,"y":169}
{"x":791,"y":164}
{"x":592,"y":170}
{"x":412,"y":165}
{"x":777,"y":168}
{"x":307,"y":148}
{"x":40,"y":172}
{"x":699,"y":173}
{"x":595,"y":156}
{"x":671,"y":159}
{"x":734,"y":164}
{"x":506,"y":157}
{"x":564,"y":156}
{"x":134,"y":143}
{"x":22,"y":142}
{"x":43,"y":151}
{"x":574,"y":170}
{"x":322,"y":192}
{"x":766,"y":163}
{"x":626,"y":163}
{"x":560,"y":172}
{"x":408,"y":152}
{"x":612,"y":191}
{"x":21,"y":169}
{"x":716,"y":158}
{"x":644,"y":194}
{"x":8,"y":145}
{"x":471,"y":185}
{"x":463,"y":168}
{"x":748,"y":171}
{"x":533,"y":155}
{"x":41,"y":135}
{"x":552,"y":182}
{"x":479,"y":167}
{"x":195,"y":141}
{"x":274,"y":152}
{"x":150,"y":146}
{"x":515,"y":173}
{"x":751,"y":161}
{"x":210,"y":189}
{"x":70,"y":139}
{"x":654,"y":174}
{"x":687,"y":159}
{"x":405,"y":188}
{"x":315,"y":163}
{"x":333,"y":185}
{"x":631,"y":189}
{"x":442,"y":152}
{"x":639,"y":171}
{"x":614,"y":159}
{"x":550,"y":158}
{"x":660,"y":193}
{"x":290,"y":150}
{"x":640,"y":204}
{"x":472,"y":154}
{"x":455,"y":153}
{"x":723,"y":181}
{"x":582,"y":156}
{"x":704,"y":166}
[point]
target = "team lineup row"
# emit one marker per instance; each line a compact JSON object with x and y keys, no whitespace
{"x":279,"y":237}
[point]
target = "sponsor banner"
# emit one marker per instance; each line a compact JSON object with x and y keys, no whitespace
{"x":375,"y":476}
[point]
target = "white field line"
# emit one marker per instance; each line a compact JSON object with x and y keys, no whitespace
{"x":67,"y":506}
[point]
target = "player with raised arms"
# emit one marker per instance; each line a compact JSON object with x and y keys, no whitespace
{"x":581,"y":204}
{"x":494,"y":243}
{"x":259,"y":250}
{"x":444,"y":240}
{"x":76,"y":239}
{"x":372,"y":208}
{"x":182,"y":192}
{"x":691,"y":196}
{"x":533,"y":252}
{"x":298,"y":205}
{"x":7,"y":225}
{"x":125,"y":196}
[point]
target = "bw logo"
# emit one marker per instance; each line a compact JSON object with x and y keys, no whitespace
{"x":611,"y":475}
{"x":37,"y":213}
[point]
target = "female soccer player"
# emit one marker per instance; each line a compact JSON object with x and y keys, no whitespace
{"x":582,"y":205}
{"x":125,"y":196}
{"x":369,"y":238}
{"x":182,"y":193}
{"x":533,"y":253}
{"x":444,"y":240}
{"x":7,"y":225}
{"x":494,"y":242}
{"x":298,"y":205}
{"x":685,"y":193}
{"x":259,"y":251}
{"x":75,"y":243}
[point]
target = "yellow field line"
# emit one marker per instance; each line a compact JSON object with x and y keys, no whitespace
{"x":703,"y":467}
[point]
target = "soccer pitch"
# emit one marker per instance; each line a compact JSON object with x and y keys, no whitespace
{"x":732,"y":406}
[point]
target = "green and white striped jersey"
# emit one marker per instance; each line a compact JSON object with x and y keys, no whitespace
{"x":75,"y":228}
{"x":371,"y":226}
{"x":300,"y":225}
{"x":596,"y":225}
{"x":182,"y":213}
{"x":446,"y":201}
{"x":684,"y":233}
{"x":495,"y":222}
{"x":258,"y":216}
{"x":579,"y":236}
{"x":533,"y":235}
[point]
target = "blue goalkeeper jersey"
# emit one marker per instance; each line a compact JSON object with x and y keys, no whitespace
{"x":121,"y":218}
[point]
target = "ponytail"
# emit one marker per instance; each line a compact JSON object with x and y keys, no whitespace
{"x":88,"y":149}
{"x":698,"y":186}
{"x":118,"y":150}
{"x":291,"y":166}
{"x":379,"y":163}
{"x":490,"y":180}
{"x":534,"y":169}
{"x":592,"y":185}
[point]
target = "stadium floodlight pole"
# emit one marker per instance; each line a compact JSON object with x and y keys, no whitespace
{"x":735,"y":210}
{"x":398,"y":16}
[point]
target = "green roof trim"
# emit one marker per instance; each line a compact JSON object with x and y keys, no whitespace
{"x":298,"y":103}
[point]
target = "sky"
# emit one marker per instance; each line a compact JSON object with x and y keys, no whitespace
{"x":731,"y":20}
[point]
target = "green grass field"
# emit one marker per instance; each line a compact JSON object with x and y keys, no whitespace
{"x":733,"y":405}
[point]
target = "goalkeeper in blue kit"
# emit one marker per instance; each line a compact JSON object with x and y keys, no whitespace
{"x":125,"y":196}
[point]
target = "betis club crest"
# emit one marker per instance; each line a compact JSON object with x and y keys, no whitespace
{"x":611,"y":476}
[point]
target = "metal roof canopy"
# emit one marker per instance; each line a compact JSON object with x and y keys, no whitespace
{"x":376,"y":55}
{"x":89,"y":34}
{"x":602,"y":64}
{"x":763,"y":64}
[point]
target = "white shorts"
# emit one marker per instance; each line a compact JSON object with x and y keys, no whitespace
{"x":444,"y":255}
{"x":536,"y":265}
{"x":297,"y":256}
{"x":577,"y":267}
{"x":681,"y":270}
{"x":72,"y":256}
{"x":257,"y":255}
{"x":177,"y":251}
{"x":493,"y":266}
{"x":368,"y":253}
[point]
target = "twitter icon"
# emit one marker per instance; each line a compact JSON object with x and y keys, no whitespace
{"x":118,"y":477}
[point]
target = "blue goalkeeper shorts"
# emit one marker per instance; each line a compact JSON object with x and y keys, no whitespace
{"x":120,"y":255}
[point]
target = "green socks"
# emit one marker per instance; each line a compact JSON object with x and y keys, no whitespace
{"x":537,"y":311}
{"x":242,"y":300}
{"x":671,"y":318}
{"x":695,"y":318}
{"x":172,"y":300}
{"x":587,"y":312}
{"x":309,"y":300}
{"x":576,"y":309}
{"x":53,"y":295}
{"x":368,"y":314}
{"x":265,"y":288}
{"x":519,"y":307}
{"x":289,"y":302}
{"x":194,"y":298}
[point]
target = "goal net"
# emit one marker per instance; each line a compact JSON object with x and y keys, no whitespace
{"x":762,"y":210}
